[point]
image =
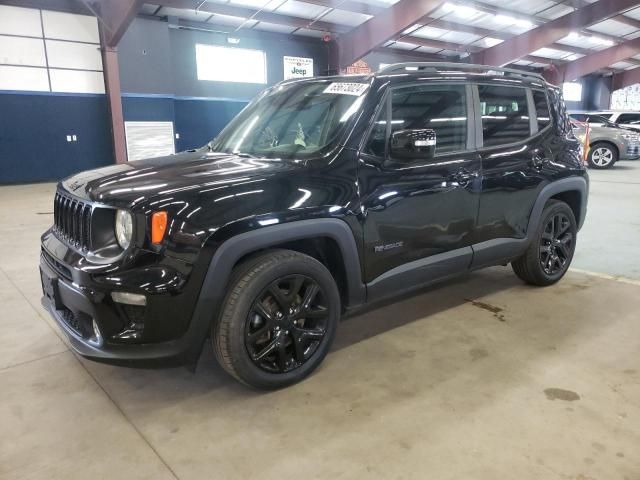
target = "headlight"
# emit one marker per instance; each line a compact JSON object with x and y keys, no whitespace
{"x":124,"y":228}
{"x":633,"y":137}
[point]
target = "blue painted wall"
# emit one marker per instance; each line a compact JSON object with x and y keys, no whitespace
{"x":199,"y":121}
{"x":33,"y":136}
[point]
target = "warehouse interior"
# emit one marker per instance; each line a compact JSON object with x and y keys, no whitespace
{"x":478,"y":377}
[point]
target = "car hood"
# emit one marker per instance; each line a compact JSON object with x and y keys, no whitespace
{"x":137,"y":182}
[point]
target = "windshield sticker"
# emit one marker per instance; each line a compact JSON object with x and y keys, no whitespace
{"x":345,"y":88}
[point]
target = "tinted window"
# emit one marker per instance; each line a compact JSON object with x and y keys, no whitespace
{"x":438,"y":107}
{"x":581,"y":117}
{"x":378,"y":136}
{"x":542,"y":108}
{"x":505,"y":117}
{"x":629,"y":118}
{"x":605,"y":115}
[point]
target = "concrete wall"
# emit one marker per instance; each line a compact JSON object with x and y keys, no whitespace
{"x":596,"y":94}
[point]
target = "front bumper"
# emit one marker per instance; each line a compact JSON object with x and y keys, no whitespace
{"x":631,"y":151}
{"x":76,"y":308}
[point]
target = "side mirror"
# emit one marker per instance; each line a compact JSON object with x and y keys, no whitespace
{"x":417,"y":144}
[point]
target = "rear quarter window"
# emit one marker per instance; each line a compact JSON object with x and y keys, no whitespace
{"x":543,"y":114}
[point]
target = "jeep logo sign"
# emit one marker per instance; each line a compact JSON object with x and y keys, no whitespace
{"x":297,"y":67}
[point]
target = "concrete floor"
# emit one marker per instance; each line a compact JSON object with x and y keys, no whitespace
{"x":480,"y":378}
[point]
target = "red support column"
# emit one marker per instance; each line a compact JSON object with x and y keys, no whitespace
{"x":112,"y":87}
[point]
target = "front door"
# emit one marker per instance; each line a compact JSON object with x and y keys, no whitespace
{"x":419,"y":215}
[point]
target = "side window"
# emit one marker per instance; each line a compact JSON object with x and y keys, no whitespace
{"x":629,"y":118}
{"x":438,"y":107}
{"x":377,"y":141}
{"x":505,"y":116}
{"x":542,"y":108}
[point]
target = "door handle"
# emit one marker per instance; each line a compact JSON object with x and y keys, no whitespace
{"x":463,"y":177}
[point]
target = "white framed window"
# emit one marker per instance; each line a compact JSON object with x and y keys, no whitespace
{"x":572,"y":91}
{"x":229,"y":64}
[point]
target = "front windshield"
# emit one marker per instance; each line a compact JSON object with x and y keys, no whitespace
{"x":297,"y":120}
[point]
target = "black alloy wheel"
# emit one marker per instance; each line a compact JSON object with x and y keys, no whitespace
{"x":556,"y":244}
{"x":549,"y":254}
{"x":278,"y":319}
{"x":286,"y":324}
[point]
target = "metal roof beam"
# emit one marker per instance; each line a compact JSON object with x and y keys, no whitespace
{"x":554,"y":30}
{"x":625,"y":79}
{"x":374,"y":32}
{"x":598,"y":60}
{"x":250,"y":13}
{"x":115,"y":16}
{"x":353,"y":6}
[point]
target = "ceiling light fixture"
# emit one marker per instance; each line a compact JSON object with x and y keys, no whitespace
{"x":462,"y":11}
{"x":601,"y":41}
{"x":507,"y":20}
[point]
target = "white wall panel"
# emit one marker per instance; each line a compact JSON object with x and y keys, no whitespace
{"x":149,"y":139}
{"x":20,"y":21}
{"x":73,"y":55}
{"x":22,"y":51}
{"x":24,"y":78}
{"x":69,"y":26}
{"x":73,"y":81}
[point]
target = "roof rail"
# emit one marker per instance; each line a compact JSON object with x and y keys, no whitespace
{"x":439,"y":66}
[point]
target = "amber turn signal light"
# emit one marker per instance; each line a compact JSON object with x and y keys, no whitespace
{"x":158,"y":227}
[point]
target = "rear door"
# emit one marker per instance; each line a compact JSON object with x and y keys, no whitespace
{"x":514,"y":151}
{"x":419,"y":215}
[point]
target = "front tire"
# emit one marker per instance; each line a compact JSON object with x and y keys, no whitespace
{"x":551,"y":250}
{"x":602,"y":155}
{"x":278,"y":320}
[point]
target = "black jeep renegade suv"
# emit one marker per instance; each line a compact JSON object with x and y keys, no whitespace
{"x":322,"y":195}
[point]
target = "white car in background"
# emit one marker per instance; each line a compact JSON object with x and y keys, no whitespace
{"x":626,"y":119}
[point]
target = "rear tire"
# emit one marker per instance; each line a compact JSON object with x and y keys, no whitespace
{"x":602,"y":155}
{"x":551,"y":250}
{"x":278,"y":320}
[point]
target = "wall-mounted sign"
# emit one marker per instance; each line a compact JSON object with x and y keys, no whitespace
{"x":358,"y":68}
{"x":297,"y":67}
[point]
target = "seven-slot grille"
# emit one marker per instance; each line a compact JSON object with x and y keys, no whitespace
{"x":72,"y":220}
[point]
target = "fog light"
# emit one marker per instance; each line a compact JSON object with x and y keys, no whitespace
{"x":129,"y":298}
{"x":96,"y":338}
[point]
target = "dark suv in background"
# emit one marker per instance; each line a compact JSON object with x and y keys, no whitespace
{"x":321,"y":196}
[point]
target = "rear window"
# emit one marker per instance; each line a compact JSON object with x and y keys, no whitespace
{"x":505,"y":115}
{"x":629,"y":118}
